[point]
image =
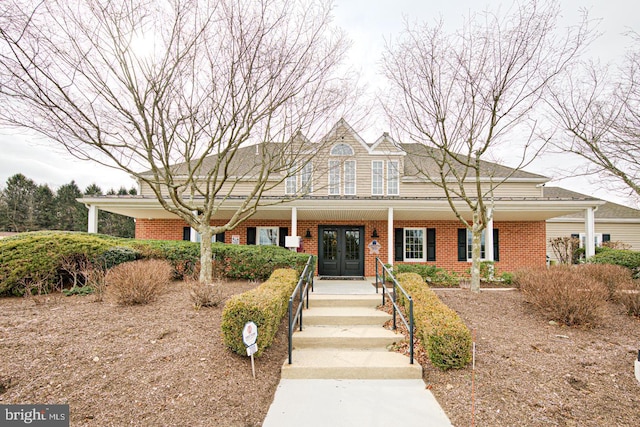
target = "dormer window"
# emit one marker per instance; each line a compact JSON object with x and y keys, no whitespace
{"x":342,"y":149}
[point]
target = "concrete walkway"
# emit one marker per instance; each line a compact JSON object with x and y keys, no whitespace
{"x":353,"y":402}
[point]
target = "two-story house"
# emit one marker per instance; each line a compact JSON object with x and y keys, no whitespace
{"x":365,"y":201}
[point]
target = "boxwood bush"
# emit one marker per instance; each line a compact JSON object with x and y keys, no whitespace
{"x":265,"y":305}
{"x":436,"y":276}
{"x":444,"y":335}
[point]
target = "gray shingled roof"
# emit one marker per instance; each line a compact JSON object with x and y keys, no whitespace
{"x":420,"y":162}
{"x":609,"y":210}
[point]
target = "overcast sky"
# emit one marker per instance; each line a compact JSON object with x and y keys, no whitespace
{"x":368,"y":23}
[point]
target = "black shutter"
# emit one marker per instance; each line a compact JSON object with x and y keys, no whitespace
{"x":220,"y":237}
{"x":462,"y":244}
{"x":282,"y":233}
{"x":186,"y":233}
{"x":251,"y":235}
{"x":496,"y":245}
{"x":431,"y":244}
{"x":606,"y":238}
{"x":398,"y":246}
{"x":575,"y":236}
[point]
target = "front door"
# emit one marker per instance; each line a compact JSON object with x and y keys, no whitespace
{"x":340,"y":251}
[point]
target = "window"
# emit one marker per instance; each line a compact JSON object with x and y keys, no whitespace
{"x":291,"y":185}
{"x":393,"y":180}
{"x":377,"y":177}
{"x":465,"y":245}
{"x":268,"y":236}
{"x":598,"y":238}
{"x":350,"y":177}
{"x":342,"y":149}
{"x":414,"y":244}
{"x":334,"y":177}
{"x":306,"y":177}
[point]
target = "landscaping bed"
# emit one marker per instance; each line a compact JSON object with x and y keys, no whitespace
{"x":160,"y":364}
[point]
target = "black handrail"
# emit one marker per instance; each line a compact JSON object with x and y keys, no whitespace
{"x":302,"y":290}
{"x":396,"y":285}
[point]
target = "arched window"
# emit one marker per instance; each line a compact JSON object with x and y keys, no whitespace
{"x":342,"y":149}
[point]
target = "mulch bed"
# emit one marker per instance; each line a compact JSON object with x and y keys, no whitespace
{"x":165,"y":364}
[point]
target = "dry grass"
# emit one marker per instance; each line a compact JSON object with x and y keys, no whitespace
{"x":139,"y":282}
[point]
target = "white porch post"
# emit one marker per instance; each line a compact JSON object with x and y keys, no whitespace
{"x":390,"y":236}
{"x":589,"y":229}
{"x":488,"y":237}
{"x":294,"y":221}
{"x":194,"y":234}
{"x":92,"y":223}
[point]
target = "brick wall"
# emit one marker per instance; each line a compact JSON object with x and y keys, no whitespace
{"x":522,"y":244}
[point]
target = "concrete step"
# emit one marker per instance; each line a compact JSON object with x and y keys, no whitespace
{"x":319,"y":300}
{"x":361,"y":337}
{"x":346,"y":316}
{"x":355,"y":364}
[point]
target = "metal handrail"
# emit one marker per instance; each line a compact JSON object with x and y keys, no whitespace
{"x":302,"y":291}
{"x":396,"y":285}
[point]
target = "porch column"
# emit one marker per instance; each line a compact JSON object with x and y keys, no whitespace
{"x":194,"y":234}
{"x":92,"y":223}
{"x":488,"y":237}
{"x":294,"y":221}
{"x":589,"y":230}
{"x":390,"y":235}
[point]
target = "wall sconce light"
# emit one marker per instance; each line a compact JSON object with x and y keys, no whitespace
{"x":308,"y":235}
{"x":374,"y":234}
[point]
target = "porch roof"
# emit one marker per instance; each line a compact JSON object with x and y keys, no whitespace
{"x":358,"y":208}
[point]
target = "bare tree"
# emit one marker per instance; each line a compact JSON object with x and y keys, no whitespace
{"x":143,"y":86}
{"x":461,"y":94}
{"x":598,"y":108}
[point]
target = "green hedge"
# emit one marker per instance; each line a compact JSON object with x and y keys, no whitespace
{"x":444,"y":335}
{"x":265,"y":305}
{"x":28,"y":258}
{"x":430,"y":273}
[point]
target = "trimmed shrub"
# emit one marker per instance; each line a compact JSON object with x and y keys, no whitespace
{"x":138,"y":282}
{"x":565,"y":294}
{"x":117,"y":255}
{"x":255,"y":262}
{"x":265,"y":305}
{"x":38,"y":257}
{"x":444,"y":335}
{"x":624,"y":258}
{"x":436,"y":276}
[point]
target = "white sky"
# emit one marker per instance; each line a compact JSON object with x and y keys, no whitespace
{"x":368,"y":23}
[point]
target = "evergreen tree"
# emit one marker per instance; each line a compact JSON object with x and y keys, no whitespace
{"x":71,"y":215}
{"x":17,"y":205}
{"x":44,"y":208}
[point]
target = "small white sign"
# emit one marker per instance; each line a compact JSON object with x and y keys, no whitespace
{"x":252,"y":349}
{"x":292,"y":241}
{"x":249,"y":334}
{"x":235,"y":239}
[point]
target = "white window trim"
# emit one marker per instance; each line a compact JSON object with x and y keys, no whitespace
{"x":303,"y":172}
{"x":470,"y":242}
{"x":381,"y":190}
{"x":291,"y":181}
{"x":277,"y":229}
{"x":346,"y":179}
{"x":596,"y":236}
{"x":342,"y":144}
{"x":334,"y":188}
{"x":397,"y":177}
{"x":424,"y":245}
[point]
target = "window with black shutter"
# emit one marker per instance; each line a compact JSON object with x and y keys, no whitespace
{"x":251,"y":235}
{"x":431,"y":244}
{"x":462,"y":244}
{"x":398,"y":245}
{"x":186,"y":233}
{"x":282,"y":234}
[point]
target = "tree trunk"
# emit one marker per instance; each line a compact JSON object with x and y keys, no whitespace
{"x":206,"y":268}
{"x":476,"y":236}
